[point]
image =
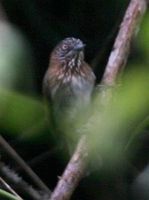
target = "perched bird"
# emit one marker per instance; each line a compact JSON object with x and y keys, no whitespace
{"x":68,"y":82}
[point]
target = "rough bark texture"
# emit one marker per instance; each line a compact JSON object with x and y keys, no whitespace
{"x":119,"y":54}
{"x":72,"y":174}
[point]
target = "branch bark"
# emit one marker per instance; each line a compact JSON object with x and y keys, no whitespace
{"x":117,"y":59}
{"x":119,"y":54}
{"x":73,"y":173}
{"x":24,"y":166}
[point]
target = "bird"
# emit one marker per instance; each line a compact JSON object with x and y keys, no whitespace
{"x":68,"y":82}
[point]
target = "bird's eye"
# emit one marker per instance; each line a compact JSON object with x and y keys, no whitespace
{"x":64,"y":46}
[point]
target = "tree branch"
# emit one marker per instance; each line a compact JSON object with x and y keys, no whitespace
{"x":8,"y":187}
{"x":73,"y":173}
{"x":16,"y":181}
{"x":119,"y":54}
{"x":24,"y":166}
{"x":118,"y":57}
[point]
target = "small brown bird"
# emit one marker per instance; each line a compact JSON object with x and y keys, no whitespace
{"x":69,"y":81}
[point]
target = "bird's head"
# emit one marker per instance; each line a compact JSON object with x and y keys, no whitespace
{"x":70,"y":50}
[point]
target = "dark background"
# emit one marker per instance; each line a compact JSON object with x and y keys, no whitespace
{"x":45,"y":23}
{"x":42,"y":24}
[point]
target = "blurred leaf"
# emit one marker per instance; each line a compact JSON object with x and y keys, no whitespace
{"x":110,"y":129}
{"x":15,"y":58}
{"x":143,"y":37}
{"x":20,"y":113}
{"x":7,"y":196}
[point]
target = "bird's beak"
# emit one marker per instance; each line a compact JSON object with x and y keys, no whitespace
{"x":79,"y":47}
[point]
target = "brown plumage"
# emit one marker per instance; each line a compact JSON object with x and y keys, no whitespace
{"x":69,"y":81}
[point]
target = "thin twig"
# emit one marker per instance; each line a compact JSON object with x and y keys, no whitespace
{"x":7,"y":195}
{"x":24,"y":166}
{"x":117,"y":60}
{"x":9,"y":188}
{"x":18,"y":182}
{"x":9,"y":149}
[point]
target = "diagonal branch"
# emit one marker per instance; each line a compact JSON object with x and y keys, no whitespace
{"x":73,"y":173}
{"x":24,"y":166}
{"x":118,"y":57}
{"x":17,"y":182}
{"x":8,"y":187}
{"x":128,"y":28}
